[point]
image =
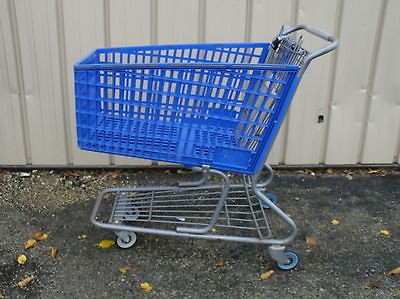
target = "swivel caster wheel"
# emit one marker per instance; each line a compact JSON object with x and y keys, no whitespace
{"x":126,"y":240}
{"x":272,"y":197}
{"x":293,"y":258}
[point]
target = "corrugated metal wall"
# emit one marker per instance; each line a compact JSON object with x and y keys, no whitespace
{"x":356,"y":90}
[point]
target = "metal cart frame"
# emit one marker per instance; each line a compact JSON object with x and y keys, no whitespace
{"x":225,"y":211}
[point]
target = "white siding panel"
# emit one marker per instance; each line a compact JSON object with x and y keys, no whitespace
{"x":305,"y":134}
{"x":37,"y":27}
{"x":177,"y":21}
{"x":130,"y":22}
{"x":381,"y":143}
{"x":12,"y":151}
{"x":357,"y":34}
{"x":84,"y":31}
{"x":267,"y":18}
{"x":225,"y":21}
{"x":355,"y":89}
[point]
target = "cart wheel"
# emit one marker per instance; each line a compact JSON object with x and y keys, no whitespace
{"x":294,"y":261}
{"x":125,"y":244}
{"x":272,"y":197}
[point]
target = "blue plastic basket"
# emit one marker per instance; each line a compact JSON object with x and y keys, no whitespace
{"x":204,"y":104}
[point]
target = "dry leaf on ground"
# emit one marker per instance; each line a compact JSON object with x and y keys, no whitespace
{"x":394,"y":271}
{"x":374,"y":283}
{"x":30,"y":243}
{"x":54,"y":253}
{"x":83,"y":237}
{"x":384,"y":232}
{"x":41,"y":236}
{"x":73,"y":173}
{"x":106,"y":243}
{"x":335,"y":222}
{"x":22,"y":259}
{"x":148,"y":237}
{"x":23,"y":283}
{"x":311,"y":241}
{"x":126,"y":269}
{"x":266,"y":275}
{"x":146,"y":287}
{"x":213,"y":230}
{"x":307,"y":250}
{"x":220,"y":264}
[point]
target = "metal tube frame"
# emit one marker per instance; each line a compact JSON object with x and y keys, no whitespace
{"x":276,"y":248}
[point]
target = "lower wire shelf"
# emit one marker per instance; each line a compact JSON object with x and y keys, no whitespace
{"x":237,"y":212}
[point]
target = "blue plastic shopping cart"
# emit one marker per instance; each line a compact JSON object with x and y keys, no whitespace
{"x":211,"y":107}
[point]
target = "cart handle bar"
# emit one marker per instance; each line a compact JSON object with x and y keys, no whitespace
{"x":334,"y":42}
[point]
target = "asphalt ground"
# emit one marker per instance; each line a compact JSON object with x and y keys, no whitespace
{"x":349,"y":259}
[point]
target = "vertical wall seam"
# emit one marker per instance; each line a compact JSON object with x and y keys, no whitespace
{"x":249,"y":14}
{"x":153,"y":22}
{"x":107,"y":33}
{"x":107,"y":43}
{"x":332,"y":79}
{"x":63,"y":79}
{"x":371,"y":79}
{"x":295,"y":12}
{"x":201,"y":29}
{"x":285,"y":128}
{"x":396,"y":156}
{"x":20,"y":81}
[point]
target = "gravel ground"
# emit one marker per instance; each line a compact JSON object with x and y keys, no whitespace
{"x":348,"y":260}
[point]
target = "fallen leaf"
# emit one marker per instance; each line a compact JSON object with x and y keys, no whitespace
{"x":213,"y":230}
{"x":124,"y":270}
{"x":146,"y":287}
{"x":22,"y":259}
{"x":374,"y":283}
{"x":23,"y":283}
{"x":41,"y":236}
{"x":83,"y":236}
{"x":106,"y":243}
{"x":30,"y":243}
{"x":220,"y":264}
{"x":302,"y":171}
{"x":114,"y":174}
{"x":266,"y":275}
{"x":394,"y":271}
{"x":148,"y":237}
{"x":384,"y":232}
{"x":330,"y":171}
{"x":53,"y":253}
{"x":308,"y":250}
{"x":373,"y":171}
{"x":73,"y":173}
{"x":335,"y":222}
{"x":397,"y":291}
{"x":311,"y":241}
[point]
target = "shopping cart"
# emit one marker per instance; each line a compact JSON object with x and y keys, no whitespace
{"x":211,"y":107}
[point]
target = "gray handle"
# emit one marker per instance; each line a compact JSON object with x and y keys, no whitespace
{"x":334,"y":42}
